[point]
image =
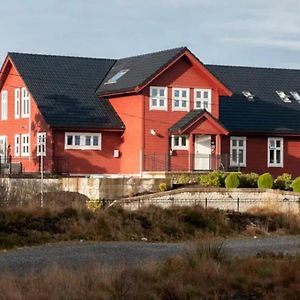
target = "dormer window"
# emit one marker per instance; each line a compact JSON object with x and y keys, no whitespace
{"x":283,"y":96}
{"x":295,"y":95}
{"x":248,"y":95}
{"x":117,"y":76}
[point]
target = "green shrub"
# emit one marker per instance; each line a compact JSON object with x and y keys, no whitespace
{"x":283,"y":182}
{"x":265,"y":181}
{"x":232,"y":181}
{"x":248,"y":180}
{"x":296,"y":184}
{"x":184,"y":179}
{"x":163,"y":187}
{"x":213,"y":179}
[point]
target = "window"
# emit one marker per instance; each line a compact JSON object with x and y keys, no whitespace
{"x":17,"y":145}
{"x":202,"y":99}
{"x":283,"y":96}
{"x":180,"y":142}
{"x":275,"y":152}
{"x":17,"y":103}
{"x":25,"y":145}
{"x":83,"y":141}
{"x":248,"y":95}
{"x":4,"y":96}
{"x":295,"y":95}
{"x":238,"y":151}
{"x":181,"y":99}
{"x":41,"y":144}
{"x":25,"y":103}
{"x":158,"y":98}
{"x":116,"y":77}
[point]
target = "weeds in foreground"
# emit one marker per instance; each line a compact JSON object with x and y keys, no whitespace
{"x":19,"y":227}
{"x":205,"y":272}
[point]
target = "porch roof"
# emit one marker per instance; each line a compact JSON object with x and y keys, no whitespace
{"x":193,"y":119}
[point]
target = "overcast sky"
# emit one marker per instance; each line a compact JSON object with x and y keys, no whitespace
{"x":230,"y":32}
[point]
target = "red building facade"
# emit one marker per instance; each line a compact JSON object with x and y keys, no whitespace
{"x":163,"y":111}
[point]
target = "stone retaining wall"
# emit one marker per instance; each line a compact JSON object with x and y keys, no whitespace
{"x":221,"y":198}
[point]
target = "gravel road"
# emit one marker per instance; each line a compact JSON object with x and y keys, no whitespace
{"x":112,"y":254}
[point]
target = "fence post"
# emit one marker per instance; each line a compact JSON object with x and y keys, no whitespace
{"x":205,"y":202}
{"x":10,"y":164}
{"x":238,"y":204}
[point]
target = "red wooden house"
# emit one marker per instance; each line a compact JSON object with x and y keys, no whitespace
{"x":163,"y":111}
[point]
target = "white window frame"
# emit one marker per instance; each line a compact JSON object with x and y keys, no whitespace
{"x":17,"y":103}
{"x":41,"y":144}
{"x":25,"y":103}
{"x":238,"y":148}
{"x":202,"y":100}
{"x":180,"y":99}
{"x":180,"y":146}
{"x":158,"y":98}
{"x":82,"y":144}
{"x":4,"y":105}
{"x":17,"y":144}
{"x":27,"y":145}
{"x":275,"y":148}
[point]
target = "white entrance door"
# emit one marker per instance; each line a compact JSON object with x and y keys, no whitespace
{"x":3,"y":147}
{"x":202,"y":152}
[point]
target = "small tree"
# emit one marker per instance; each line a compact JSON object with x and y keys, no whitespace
{"x":265,"y":181}
{"x":296,"y":184}
{"x":232,"y":181}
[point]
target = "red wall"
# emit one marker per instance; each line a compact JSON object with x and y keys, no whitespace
{"x":76,"y":161}
{"x":257,"y":155}
{"x":130,"y":110}
{"x":31,"y":125}
{"x":182,"y":75}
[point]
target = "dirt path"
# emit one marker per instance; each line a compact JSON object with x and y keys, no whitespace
{"x":111,"y":254}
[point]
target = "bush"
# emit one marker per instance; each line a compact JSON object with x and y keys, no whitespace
{"x":163,"y":187}
{"x":296,"y":185}
{"x":265,"y":181}
{"x":232,"y":181}
{"x":213,"y":179}
{"x":248,"y":180}
{"x":283,"y":182}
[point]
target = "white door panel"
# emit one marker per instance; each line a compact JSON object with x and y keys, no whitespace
{"x":202,"y":152}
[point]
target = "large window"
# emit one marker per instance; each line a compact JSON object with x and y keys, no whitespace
{"x":25,"y":103}
{"x":4,"y":96}
{"x":181,"y":99}
{"x":17,"y":145}
{"x":25,"y":145}
{"x":202,"y":99}
{"x":17,"y":103}
{"x":238,"y":151}
{"x":180,"y":142}
{"x":83,"y":141}
{"x":158,"y":98}
{"x":275,"y":152}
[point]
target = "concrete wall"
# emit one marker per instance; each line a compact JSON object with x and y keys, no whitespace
{"x":23,"y":189}
{"x":235,"y":199}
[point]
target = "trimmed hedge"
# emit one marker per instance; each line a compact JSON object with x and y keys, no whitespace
{"x":296,"y":184}
{"x":212,"y":179}
{"x":232,"y":181}
{"x":265,"y":181}
{"x":248,"y":180}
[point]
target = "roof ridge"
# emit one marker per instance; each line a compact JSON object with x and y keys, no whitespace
{"x":155,"y":52}
{"x":251,"y":67}
{"x":61,"y":55}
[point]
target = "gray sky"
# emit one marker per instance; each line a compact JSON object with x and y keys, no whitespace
{"x":230,"y":32}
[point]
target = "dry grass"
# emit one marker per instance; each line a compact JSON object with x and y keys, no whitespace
{"x":203,"y":273}
{"x":20,"y":227}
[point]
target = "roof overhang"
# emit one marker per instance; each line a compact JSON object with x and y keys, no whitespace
{"x":212,"y":126}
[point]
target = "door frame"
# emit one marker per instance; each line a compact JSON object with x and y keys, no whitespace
{"x":196,"y":159}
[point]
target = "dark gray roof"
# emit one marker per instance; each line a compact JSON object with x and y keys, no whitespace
{"x":267,"y":113}
{"x":187,"y":119}
{"x":140,"y":68}
{"x":64,"y":89}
